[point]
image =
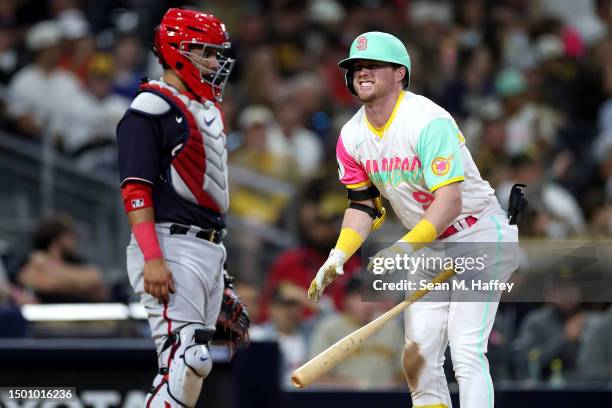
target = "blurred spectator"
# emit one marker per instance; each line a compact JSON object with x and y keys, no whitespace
{"x":248,"y":199}
{"x":319,"y":213}
{"x":490,"y":156}
{"x":261,"y":185}
{"x":470,"y":18}
{"x":433,"y":47}
{"x":553,"y":332}
{"x":464,"y":96}
{"x":595,"y":353}
{"x":287,"y":327}
{"x":13,"y":323}
{"x":552,"y":79}
{"x":604,"y":11}
{"x":600,"y":225}
{"x":574,"y":13}
{"x":78,"y":42}
{"x":10,"y":59}
{"x":309,"y":95}
{"x":54,"y":271}
{"x":262,"y":80}
{"x":10,"y":295}
{"x":288,"y":35}
{"x":290,"y":139}
{"x":5,"y":289}
{"x":39,"y":94}
{"x":531,"y":128}
{"x":558,"y":213}
{"x":93,"y":117}
{"x":378,"y":361}
{"x":250,"y":293}
{"x":512,"y":35}
{"x":128,"y":54}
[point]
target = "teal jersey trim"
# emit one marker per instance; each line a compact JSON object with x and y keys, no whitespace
{"x":481,"y":336}
{"x":438,"y":149}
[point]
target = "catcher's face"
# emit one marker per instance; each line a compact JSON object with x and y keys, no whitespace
{"x":374,"y":80}
{"x":204,"y":58}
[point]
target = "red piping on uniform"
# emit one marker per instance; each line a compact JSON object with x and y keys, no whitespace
{"x":154,"y":394}
{"x":169,"y":327}
{"x":168,"y":322}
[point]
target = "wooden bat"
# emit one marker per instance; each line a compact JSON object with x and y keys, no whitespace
{"x":336,"y":353}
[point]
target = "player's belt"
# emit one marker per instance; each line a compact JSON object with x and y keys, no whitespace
{"x":211,"y":235}
{"x":458,"y":226}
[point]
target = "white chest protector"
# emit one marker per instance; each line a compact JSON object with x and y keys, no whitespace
{"x":198,"y":169}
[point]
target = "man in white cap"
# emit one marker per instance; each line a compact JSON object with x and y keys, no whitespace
{"x":37,"y":95}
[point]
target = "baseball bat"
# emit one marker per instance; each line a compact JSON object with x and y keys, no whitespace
{"x":336,"y":353}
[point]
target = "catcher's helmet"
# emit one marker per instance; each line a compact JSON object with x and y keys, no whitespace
{"x":184,"y":40}
{"x":376,"y":46}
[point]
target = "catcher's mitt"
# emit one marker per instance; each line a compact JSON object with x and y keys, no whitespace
{"x":233,"y":322}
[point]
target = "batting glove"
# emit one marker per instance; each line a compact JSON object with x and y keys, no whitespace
{"x":331,"y":269}
{"x":386,"y":260}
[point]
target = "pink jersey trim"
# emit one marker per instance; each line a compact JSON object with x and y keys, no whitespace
{"x":351,"y":172}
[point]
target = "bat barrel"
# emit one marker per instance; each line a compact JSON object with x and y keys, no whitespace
{"x":328,"y":359}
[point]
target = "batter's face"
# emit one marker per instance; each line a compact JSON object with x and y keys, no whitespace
{"x":374,"y":80}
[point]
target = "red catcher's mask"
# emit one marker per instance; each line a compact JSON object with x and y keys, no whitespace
{"x":191,"y":43}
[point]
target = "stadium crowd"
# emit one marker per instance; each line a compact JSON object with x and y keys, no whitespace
{"x":528,"y":81}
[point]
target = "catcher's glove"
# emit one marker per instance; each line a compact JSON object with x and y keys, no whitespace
{"x":233,"y":322}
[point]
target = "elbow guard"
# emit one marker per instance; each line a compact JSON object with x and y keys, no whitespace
{"x":378,"y":213}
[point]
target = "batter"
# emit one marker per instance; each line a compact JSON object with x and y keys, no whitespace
{"x":410,"y":150}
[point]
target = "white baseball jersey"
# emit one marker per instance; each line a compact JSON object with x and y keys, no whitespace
{"x":417,"y":151}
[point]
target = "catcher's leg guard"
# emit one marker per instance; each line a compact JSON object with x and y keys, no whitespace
{"x":184,"y":363}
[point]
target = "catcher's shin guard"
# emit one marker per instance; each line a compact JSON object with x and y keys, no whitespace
{"x":184,"y":363}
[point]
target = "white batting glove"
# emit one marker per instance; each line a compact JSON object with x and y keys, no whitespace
{"x":331,"y":269}
{"x":385,"y":260}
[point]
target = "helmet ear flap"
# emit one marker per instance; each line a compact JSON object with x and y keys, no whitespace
{"x":406,"y":79}
{"x":156,"y":47}
{"x":348,"y":78}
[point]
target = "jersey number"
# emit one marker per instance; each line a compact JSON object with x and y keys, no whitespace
{"x":423,"y":198}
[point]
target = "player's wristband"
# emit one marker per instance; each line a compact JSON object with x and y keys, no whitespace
{"x":422,"y":233}
{"x":147,"y":240}
{"x":349,"y":241}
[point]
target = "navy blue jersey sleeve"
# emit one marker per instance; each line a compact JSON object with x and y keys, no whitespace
{"x":139,"y":144}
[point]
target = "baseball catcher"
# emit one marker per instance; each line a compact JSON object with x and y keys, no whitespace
{"x":173,"y":169}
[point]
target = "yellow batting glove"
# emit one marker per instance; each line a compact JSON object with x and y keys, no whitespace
{"x":331,"y":269}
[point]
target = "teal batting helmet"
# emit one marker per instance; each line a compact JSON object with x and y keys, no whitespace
{"x":376,"y":46}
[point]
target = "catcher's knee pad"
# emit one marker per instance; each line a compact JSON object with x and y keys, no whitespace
{"x":184,"y":363}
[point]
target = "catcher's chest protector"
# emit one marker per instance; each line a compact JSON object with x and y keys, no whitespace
{"x":198,"y":170}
